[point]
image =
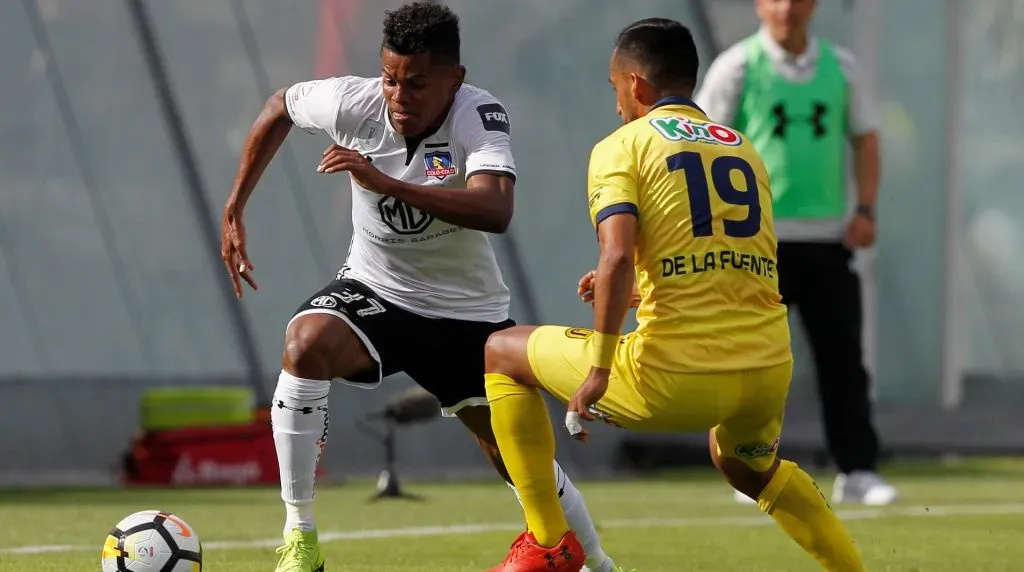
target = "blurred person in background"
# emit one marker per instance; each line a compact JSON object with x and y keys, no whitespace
{"x":432,"y":173}
{"x":800,"y":102}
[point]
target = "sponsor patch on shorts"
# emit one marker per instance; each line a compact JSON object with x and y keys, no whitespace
{"x":756,"y":450}
{"x":578,"y":333}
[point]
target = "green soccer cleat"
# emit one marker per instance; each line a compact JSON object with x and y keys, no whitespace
{"x":300,"y":553}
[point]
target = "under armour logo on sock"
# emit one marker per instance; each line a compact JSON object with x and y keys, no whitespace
{"x":327,"y":421}
{"x":560,"y":480}
{"x":303,"y":410}
{"x":783,"y":120}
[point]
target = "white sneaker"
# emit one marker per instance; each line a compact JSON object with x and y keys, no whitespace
{"x":742,"y":498}
{"x":864,"y":487}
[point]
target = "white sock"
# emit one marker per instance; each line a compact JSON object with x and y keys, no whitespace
{"x":578,"y":517}
{"x":298,"y":414}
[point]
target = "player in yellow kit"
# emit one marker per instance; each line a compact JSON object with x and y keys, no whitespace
{"x":683,"y":212}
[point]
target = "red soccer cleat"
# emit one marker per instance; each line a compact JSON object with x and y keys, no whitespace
{"x":528,"y":556}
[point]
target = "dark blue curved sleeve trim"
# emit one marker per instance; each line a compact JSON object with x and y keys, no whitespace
{"x":615,"y":209}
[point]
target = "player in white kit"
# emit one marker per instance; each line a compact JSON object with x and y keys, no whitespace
{"x":432,"y":172}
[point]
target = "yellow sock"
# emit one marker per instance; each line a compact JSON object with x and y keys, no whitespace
{"x":797,"y":505}
{"x":527,"y":443}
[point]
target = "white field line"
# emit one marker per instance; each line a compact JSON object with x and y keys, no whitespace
{"x":442,"y":530}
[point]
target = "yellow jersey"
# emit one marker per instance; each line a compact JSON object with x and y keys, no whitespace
{"x":706,"y":246}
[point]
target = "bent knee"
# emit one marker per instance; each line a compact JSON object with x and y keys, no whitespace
{"x":306,"y":351}
{"x":745,"y":478}
{"x":495,"y":349}
{"x":740,"y":475}
{"x":506,"y":351}
{"x":319,"y":346}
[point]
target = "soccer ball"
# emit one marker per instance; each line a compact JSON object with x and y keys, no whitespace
{"x":152,"y":541}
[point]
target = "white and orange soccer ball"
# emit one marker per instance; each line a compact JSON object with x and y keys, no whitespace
{"x":152,"y":541}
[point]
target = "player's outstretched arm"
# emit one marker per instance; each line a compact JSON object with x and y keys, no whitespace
{"x":486,"y":204}
{"x":265,"y":138}
{"x":266,"y":135}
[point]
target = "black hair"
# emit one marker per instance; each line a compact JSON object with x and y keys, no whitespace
{"x":664,"y":49}
{"x":423,"y":28}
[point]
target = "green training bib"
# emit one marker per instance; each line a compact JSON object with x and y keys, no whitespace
{"x":800,"y":131}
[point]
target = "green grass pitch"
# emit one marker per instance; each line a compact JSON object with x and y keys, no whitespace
{"x":952,"y":517}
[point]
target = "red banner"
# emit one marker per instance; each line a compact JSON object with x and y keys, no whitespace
{"x":204,"y":456}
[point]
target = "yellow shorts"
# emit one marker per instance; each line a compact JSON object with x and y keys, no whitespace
{"x":744,"y":408}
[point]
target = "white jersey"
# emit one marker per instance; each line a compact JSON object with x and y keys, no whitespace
{"x":407,"y":256}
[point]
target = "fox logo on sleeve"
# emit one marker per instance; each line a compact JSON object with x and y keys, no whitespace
{"x":494,"y":118}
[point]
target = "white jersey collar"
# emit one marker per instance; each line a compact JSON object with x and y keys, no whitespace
{"x":780,"y":56}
